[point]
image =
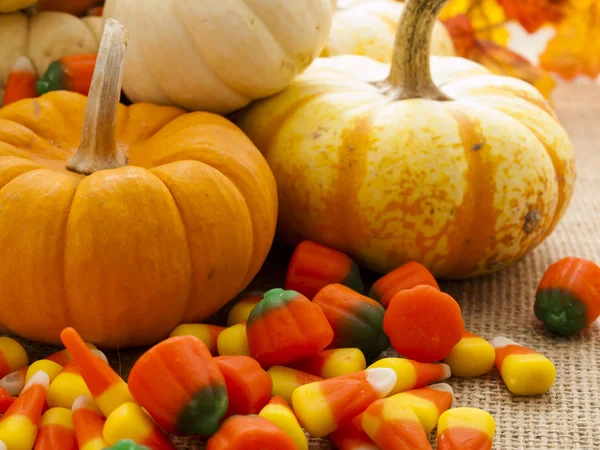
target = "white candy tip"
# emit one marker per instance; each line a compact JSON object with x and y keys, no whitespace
{"x":100,"y":355}
{"x":14,"y":383}
{"x":3,"y":446}
{"x":446,"y":371}
{"x":40,"y":378}
{"x":23,"y":64}
{"x":381,"y":379}
{"x":501,"y":342}
{"x":443,"y":387}
{"x":84,"y":402}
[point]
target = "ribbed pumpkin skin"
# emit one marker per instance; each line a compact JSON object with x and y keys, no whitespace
{"x":465,"y":187}
{"x":125,"y":255}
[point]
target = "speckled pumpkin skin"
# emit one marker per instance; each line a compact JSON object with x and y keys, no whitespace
{"x":466,"y":187}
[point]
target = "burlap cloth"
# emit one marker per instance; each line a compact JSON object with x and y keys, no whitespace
{"x":566,"y":418}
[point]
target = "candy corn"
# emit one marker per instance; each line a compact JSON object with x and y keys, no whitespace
{"x":323,"y":406}
{"x":243,"y":307}
{"x":286,"y":380}
{"x":129,"y":421}
{"x":412,"y":374}
{"x":66,"y":387}
{"x":19,"y":425}
{"x":524,"y":371}
{"x":333,"y":363}
{"x":21,"y":82}
{"x":248,"y":385}
{"x":471,"y":357}
{"x":88,"y":422}
{"x":51,"y":368}
{"x":15,"y":381}
{"x":250,"y":433}
{"x":285,"y":327}
{"x":5,"y":400}
{"x":12,"y":356}
{"x":56,"y":431}
{"x":278,"y":412}
{"x":393,"y":425}
{"x":178,"y":382}
{"x":352,"y":437}
{"x":206,"y":333}
{"x":233,"y":341}
{"x":465,"y":429}
{"x":428,"y":403}
{"x":107,"y":387}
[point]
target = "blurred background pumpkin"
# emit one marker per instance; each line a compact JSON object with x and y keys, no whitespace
{"x":218,"y":55}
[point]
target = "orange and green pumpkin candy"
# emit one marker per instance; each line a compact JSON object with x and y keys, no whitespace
{"x":356,"y":320}
{"x":314,"y":266}
{"x":284,"y":327}
{"x":127,"y":444}
{"x":69,"y":73}
{"x":183,"y":398}
{"x":568,"y":296}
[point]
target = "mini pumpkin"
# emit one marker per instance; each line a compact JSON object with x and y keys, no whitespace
{"x":45,"y":37}
{"x":218,"y":55}
{"x":368,"y":28}
{"x":436,"y":161}
{"x":124,"y":252}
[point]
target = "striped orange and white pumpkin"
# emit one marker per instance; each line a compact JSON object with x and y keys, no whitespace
{"x":437,"y":161}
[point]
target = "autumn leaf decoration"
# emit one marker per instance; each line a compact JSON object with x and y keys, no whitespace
{"x":478,"y":28}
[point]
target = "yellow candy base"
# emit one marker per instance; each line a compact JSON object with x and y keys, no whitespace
{"x":17,"y":432}
{"x":286,"y":420}
{"x":128,"y":421}
{"x":471,"y":357}
{"x":233,"y":341}
{"x":530,"y":374}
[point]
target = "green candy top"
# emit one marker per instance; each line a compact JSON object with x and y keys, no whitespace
{"x":127,"y":444}
{"x":560,"y":311}
{"x":52,"y":80}
{"x":273,"y":299}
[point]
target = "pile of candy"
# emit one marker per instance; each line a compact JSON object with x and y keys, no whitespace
{"x":289,"y":361}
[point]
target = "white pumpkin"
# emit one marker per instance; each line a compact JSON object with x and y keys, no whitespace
{"x":217,"y":55}
{"x":368,"y":28}
{"x":43,"y":38}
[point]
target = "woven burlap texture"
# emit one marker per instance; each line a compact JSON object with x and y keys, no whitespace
{"x":568,"y":417}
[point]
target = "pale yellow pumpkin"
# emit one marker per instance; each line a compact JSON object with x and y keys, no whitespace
{"x":218,"y":55}
{"x":45,"y":37}
{"x":465,"y":173}
{"x":368,"y":27}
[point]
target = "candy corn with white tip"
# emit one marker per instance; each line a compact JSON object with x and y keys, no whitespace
{"x":323,"y":406}
{"x":286,"y":380}
{"x":524,"y":371}
{"x":473,"y":356}
{"x":394,"y":425}
{"x":20,"y":83}
{"x":352,"y":436}
{"x":428,"y":403}
{"x":56,"y":431}
{"x":12,"y":356}
{"x":465,"y":429}
{"x":106,"y":386}
{"x":129,"y":421}
{"x":278,"y":411}
{"x":19,"y":425}
{"x":88,"y":422}
{"x":412,"y":374}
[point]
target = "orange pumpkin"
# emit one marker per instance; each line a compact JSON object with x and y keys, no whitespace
{"x":125,"y":253}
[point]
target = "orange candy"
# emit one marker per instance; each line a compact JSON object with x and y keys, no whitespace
{"x":248,"y":385}
{"x":250,"y":433}
{"x":404,"y":277}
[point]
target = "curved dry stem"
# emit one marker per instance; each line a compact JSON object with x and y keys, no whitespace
{"x":98,"y":146}
{"x":410,"y":74}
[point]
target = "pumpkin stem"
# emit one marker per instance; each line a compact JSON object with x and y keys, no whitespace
{"x":410,"y":75}
{"x":98,"y":146}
